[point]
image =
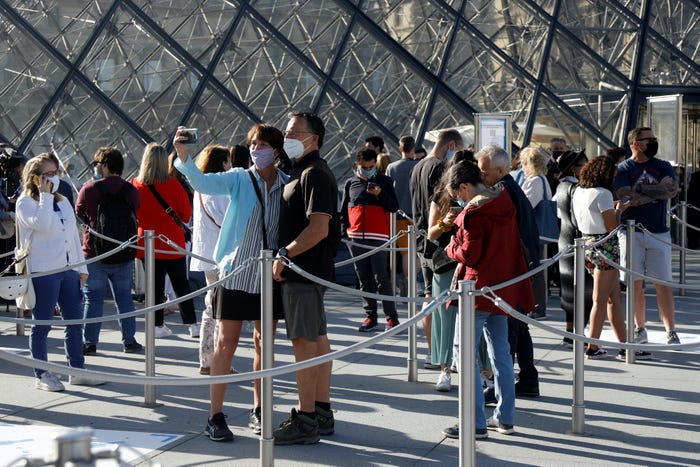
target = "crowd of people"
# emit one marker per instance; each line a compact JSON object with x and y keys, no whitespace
{"x":476,"y":209}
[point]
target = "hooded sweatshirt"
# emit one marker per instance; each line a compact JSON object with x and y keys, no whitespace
{"x":488,"y":247}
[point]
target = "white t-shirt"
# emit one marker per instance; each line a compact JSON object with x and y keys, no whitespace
{"x":588,"y":205}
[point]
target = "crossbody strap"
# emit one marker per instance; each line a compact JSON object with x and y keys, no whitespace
{"x":166,"y":206}
{"x":204,"y":209}
{"x":262,"y":207}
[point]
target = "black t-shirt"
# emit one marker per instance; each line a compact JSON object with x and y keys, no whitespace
{"x":424,"y":180}
{"x":312,"y":189}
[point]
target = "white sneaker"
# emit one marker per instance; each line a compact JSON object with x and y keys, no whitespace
{"x":84,"y":381}
{"x":444,"y":383}
{"x":49,"y":382}
{"x":163,"y":331}
{"x":194,"y":330}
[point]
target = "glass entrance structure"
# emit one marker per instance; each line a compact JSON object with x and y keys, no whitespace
{"x":76,"y":75}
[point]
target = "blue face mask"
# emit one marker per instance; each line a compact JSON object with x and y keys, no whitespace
{"x":368,"y":173}
{"x":449,"y":154}
{"x":460,"y":201}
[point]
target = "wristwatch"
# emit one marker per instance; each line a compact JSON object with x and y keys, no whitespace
{"x":282,"y":252}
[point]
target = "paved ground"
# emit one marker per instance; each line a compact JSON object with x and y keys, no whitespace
{"x":643,"y":414}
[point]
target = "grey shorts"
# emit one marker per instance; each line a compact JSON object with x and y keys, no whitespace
{"x":304,"y":314}
{"x":652,"y":255}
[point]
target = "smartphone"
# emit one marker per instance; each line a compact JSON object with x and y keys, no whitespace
{"x":625,"y":199}
{"x":192,"y":135}
{"x":371,"y":185}
{"x":456,"y":209}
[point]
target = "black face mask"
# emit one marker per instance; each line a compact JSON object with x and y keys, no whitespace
{"x":556,"y":154}
{"x":652,"y":149}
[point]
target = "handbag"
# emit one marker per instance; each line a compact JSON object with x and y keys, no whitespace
{"x":436,"y":257}
{"x":171,"y":212}
{"x":26,"y":300}
{"x":546,"y":218}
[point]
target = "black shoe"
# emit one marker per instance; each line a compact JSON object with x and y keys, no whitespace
{"x":490,"y":396}
{"x":368,"y":324}
{"x":526,"y":391}
{"x":453,"y":432}
{"x":133,"y":348}
{"x":254,"y":420}
{"x":217,"y":428}
{"x":89,"y":349}
{"x":326,"y":421}
{"x":297,"y":429}
{"x":638,"y":354}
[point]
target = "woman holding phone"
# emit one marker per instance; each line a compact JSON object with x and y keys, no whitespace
{"x":47,"y":225}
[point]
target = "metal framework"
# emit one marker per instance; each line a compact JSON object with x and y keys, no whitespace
{"x":79,"y":74}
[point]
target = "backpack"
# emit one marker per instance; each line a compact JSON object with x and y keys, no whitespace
{"x":115,"y":219}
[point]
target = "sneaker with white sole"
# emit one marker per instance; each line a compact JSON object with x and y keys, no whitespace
{"x":444,"y":383}
{"x":672,"y":338}
{"x":84,"y":381}
{"x":503,"y":428}
{"x":49,"y":382}
{"x":597,"y":354}
{"x":163,"y":331}
{"x":638,"y":354}
{"x":194,"y":330}
{"x":640,"y":336}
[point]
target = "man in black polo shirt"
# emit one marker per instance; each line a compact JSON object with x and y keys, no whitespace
{"x":309,"y":232}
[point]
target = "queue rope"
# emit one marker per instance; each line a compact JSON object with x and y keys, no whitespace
{"x":246,"y":264}
{"x":230,"y":378}
{"x":673,"y":216}
{"x":372,"y":249}
{"x":488,"y":293}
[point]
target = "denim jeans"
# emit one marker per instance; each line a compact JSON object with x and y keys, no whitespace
{"x":374,"y":277}
{"x":495,"y":330}
{"x":62,"y":288}
{"x":119,"y":276}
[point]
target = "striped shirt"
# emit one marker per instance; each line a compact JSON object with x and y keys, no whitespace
{"x":249,"y":280}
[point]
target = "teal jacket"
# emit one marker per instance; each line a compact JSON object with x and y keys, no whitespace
{"x":235,"y":184}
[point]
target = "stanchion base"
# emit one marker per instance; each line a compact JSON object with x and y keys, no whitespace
{"x":585,"y":433}
{"x":150,"y":405}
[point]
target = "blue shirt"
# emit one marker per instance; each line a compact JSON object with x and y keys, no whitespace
{"x":631,"y":173}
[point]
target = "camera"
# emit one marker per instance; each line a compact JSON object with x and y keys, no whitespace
{"x":192,"y":135}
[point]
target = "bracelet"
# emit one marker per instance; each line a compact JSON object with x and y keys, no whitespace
{"x":441,"y":225}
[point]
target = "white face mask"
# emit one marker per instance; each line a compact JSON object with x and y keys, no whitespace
{"x":97,"y":173}
{"x":55,"y":180}
{"x":294,"y":148}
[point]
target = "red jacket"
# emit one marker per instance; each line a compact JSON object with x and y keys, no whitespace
{"x":152,"y":216}
{"x":487,"y":245}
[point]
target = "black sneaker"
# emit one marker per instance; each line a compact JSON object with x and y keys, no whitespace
{"x":368,"y":324}
{"x":526,"y":391}
{"x":297,"y":429}
{"x":326,"y":421}
{"x":638,"y":354}
{"x":453,"y":432}
{"x":217,"y":428}
{"x":89,"y":349}
{"x":502,"y":428}
{"x":490,"y":396}
{"x":597,"y":354}
{"x":254,"y":420}
{"x":133,"y":348}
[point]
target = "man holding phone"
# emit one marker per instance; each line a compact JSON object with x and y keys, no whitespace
{"x":368,"y":198}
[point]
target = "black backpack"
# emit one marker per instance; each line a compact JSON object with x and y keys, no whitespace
{"x":115,"y":219}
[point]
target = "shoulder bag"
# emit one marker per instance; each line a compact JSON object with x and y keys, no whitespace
{"x":546,"y":217}
{"x":171,"y":212}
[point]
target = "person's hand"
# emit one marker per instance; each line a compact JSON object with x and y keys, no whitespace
{"x":178,"y":144}
{"x":43,"y":184}
{"x":449,"y":219}
{"x":374,"y":190}
{"x":83,"y":276}
{"x":277,"y":269}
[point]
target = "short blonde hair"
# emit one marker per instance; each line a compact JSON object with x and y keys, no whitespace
{"x":533,"y":160}
{"x":155,"y":167}
{"x":383,"y":161}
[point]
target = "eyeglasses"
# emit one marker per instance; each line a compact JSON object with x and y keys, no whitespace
{"x":651,"y":140}
{"x":95,"y":163}
{"x":293,"y":133}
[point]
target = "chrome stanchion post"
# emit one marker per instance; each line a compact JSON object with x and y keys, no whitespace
{"x":412,"y":359}
{"x":267,"y":442}
{"x":578,"y":408}
{"x":20,"y":326}
{"x":467,"y":339}
{"x":392,"y":251}
{"x":629,"y":282}
{"x":149,"y":398}
{"x":684,"y":244}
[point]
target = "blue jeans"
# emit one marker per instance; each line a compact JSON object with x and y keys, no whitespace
{"x":62,"y":288}
{"x":119,"y":276}
{"x":495,"y":330}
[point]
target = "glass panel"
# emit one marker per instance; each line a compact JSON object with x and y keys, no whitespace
{"x":65,"y":24}
{"x":218,"y":121}
{"x":198,"y":26}
{"x":662,"y":67}
{"x":678,"y":22}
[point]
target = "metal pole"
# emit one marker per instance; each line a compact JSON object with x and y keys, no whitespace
{"x":267,"y":442}
{"x":412,"y":359}
{"x":578,"y":408}
{"x":467,"y":340}
{"x":392,"y":252}
{"x":149,"y":390}
{"x":684,"y":244}
{"x":20,"y":326}
{"x":629,"y":281}
{"x":545,"y":273}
